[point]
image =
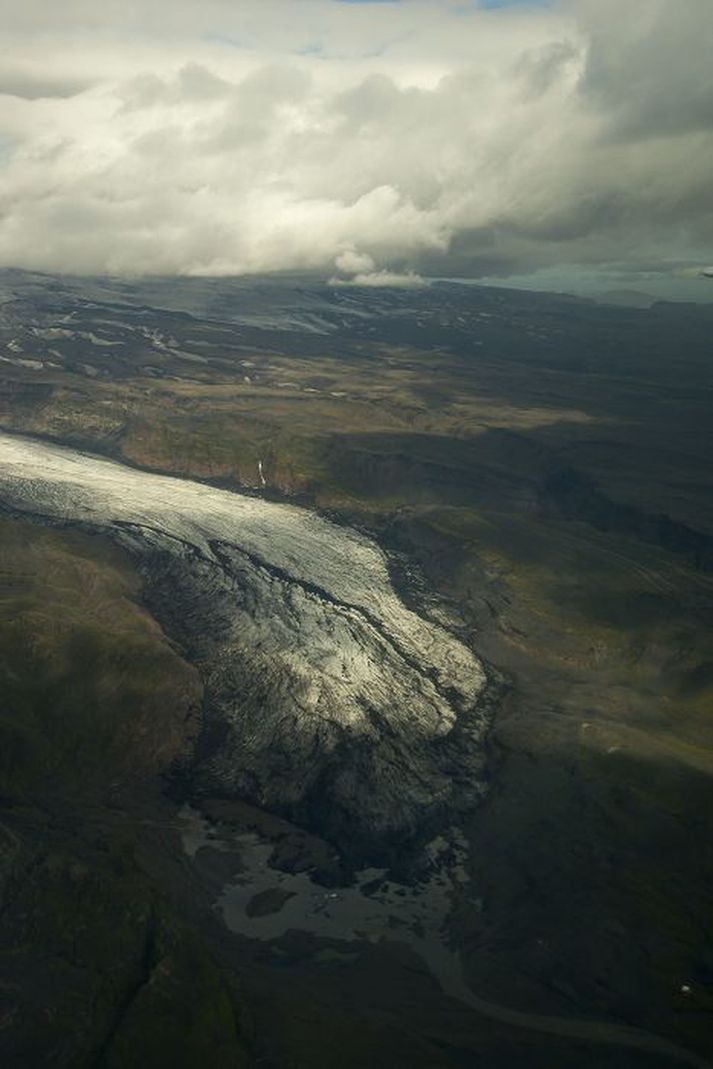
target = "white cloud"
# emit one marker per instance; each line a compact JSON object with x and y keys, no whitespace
{"x":695,"y":272}
{"x":384,"y":139}
{"x":351,"y":262}
{"x":406,"y":280}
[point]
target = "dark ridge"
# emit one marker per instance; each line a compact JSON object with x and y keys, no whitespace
{"x":578,"y":498}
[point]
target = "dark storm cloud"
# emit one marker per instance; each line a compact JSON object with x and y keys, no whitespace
{"x":653,"y":77}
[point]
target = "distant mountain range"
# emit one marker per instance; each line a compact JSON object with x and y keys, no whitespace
{"x":627,"y":299}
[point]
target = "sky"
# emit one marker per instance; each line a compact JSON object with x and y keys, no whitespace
{"x":566,"y":143}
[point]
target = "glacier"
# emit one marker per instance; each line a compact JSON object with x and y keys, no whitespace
{"x":326,"y":697}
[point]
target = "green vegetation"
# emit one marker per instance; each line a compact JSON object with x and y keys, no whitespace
{"x":602,"y":799}
{"x":96,"y":704}
{"x":93,"y":694}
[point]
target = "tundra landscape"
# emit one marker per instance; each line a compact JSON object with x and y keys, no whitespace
{"x":356,"y":675}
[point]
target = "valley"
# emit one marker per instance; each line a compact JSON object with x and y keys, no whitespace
{"x":352,"y":573}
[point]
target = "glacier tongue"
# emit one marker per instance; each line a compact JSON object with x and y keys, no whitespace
{"x":327,"y":698}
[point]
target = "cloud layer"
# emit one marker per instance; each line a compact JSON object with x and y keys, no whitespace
{"x":368,"y":141}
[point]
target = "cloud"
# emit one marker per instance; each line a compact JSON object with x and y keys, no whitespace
{"x":391,"y":140}
{"x":33,"y":86}
{"x":361,"y":269}
{"x":406,"y":280}
{"x":352,"y":262}
{"x":695,"y":272}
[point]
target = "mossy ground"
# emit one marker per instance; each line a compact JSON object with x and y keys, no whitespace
{"x":592,"y":853}
{"x":96,"y":704}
